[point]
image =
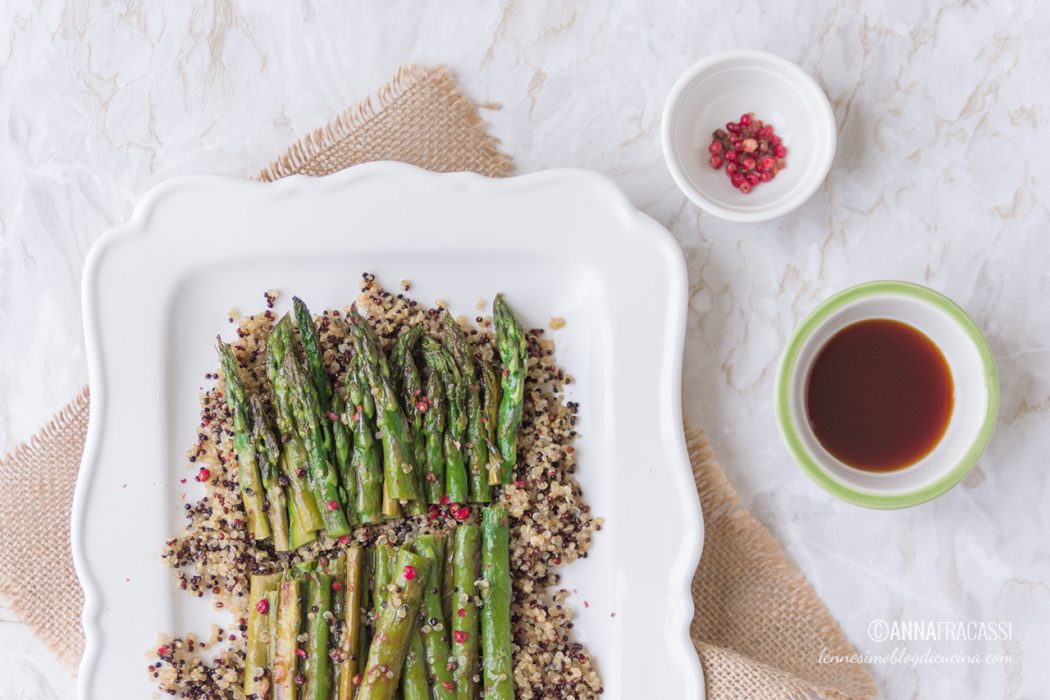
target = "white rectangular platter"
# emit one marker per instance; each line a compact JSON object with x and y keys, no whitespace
{"x":559,"y":243}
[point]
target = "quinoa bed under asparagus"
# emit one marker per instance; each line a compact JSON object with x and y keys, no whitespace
{"x":549,"y":523}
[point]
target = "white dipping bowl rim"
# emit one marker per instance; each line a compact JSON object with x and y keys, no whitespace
{"x":808,"y":89}
{"x":975,"y":382}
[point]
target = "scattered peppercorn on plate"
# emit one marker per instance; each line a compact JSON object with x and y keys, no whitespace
{"x":420,"y":458}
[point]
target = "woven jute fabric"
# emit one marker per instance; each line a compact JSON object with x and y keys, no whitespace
{"x":759,"y":628}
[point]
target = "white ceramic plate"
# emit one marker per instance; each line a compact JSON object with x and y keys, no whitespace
{"x":560,"y":243}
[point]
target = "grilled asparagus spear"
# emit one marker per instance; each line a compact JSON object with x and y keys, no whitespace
{"x":434,"y":434}
{"x":311,"y":422}
{"x":513,"y":351}
{"x":268,"y":454}
{"x":495,"y":613}
{"x":476,"y":445}
{"x":386,"y":656}
{"x":490,"y":400}
{"x":304,"y":516}
{"x":399,"y":471}
{"x":434,"y":628}
{"x":466,"y":568}
{"x":365,"y":457}
{"x":257,"y":677}
{"x":285,"y":663}
{"x":353,"y":601}
{"x":439,"y":360}
{"x":248,"y":476}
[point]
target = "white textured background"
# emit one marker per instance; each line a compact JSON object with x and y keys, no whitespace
{"x":941,"y":178}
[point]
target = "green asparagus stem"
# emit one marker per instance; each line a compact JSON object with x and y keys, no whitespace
{"x":271,"y":630}
{"x":495,"y":613}
{"x":399,"y":472}
{"x":434,"y":433}
{"x":365,"y":459}
{"x":510,"y":340}
{"x":297,"y":535}
{"x":310,"y":420}
{"x":455,"y":471}
{"x":476,"y":446}
{"x":405,"y":370}
{"x":342,"y":439}
{"x":289,"y":619}
{"x":414,"y":684}
{"x":477,"y":450}
{"x":319,"y":612}
{"x":465,"y":642}
{"x":268,"y":455}
{"x":312,"y":351}
{"x":304,"y":516}
{"x":383,"y":567}
{"x":257,"y":678}
{"x":440,"y":361}
{"x":434,"y":629}
{"x":448,"y":581}
{"x":367,"y":621}
{"x":337,"y":570}
{"x":248,"y":476}
{"x":391,"y":506}
{"x":490,"y":399}
{"x":335,"y":433}
{"x":352,"y":603}
{"x":386,"y":656}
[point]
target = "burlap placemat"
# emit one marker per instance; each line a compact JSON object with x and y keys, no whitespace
{"x":759,"y":628}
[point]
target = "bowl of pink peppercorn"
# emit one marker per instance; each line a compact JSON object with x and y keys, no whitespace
{"x":747,"y":135}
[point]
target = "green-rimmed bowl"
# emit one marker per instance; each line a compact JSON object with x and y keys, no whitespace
{"x":974,"y":412}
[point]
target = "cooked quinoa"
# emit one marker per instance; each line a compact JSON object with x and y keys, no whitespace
{"x":551,"y":525}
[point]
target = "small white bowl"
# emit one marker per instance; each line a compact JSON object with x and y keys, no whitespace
{"x":719,"y":89}
{"x":975,"y":382}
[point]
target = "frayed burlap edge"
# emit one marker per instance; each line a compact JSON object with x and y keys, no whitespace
{"x":34,"y":531}
{"x":303,"y":156}
{"x":758,"y":626}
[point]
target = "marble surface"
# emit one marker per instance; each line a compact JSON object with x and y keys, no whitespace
{"x":940,"y":178}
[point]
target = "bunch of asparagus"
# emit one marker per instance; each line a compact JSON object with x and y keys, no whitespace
{"x":428,"y":423}
{"x":428,"y":620}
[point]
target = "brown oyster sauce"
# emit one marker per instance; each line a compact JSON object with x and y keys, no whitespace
{"x":879,"y":395}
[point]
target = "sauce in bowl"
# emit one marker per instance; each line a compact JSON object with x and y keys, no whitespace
{"x":879,"y":395}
